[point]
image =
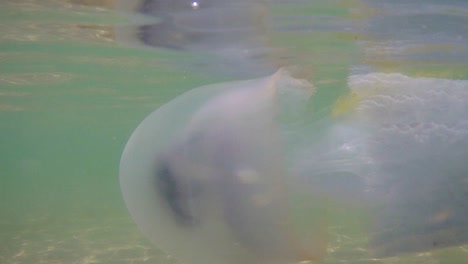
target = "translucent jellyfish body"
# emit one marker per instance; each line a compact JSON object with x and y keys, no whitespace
{"x":204,"y":176}
{"x":399,"y":145}
{"x":418,"y":142}
{"x":219,"y":174}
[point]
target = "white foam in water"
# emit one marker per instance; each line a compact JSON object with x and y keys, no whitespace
{"x":204,"y":176}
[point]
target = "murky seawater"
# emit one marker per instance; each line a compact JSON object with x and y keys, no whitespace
{"x":72,"y":90}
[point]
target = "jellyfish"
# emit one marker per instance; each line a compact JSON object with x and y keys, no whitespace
{"x":398,"y":145}
{"x":418,"y":139}
{"x":236,"y":173}
{"x":204,"y":176}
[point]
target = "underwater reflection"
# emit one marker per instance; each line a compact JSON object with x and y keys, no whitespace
{"x":424,"y":38}
{"x":229,"y":36}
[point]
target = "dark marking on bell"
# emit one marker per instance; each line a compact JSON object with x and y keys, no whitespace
{"x":173,"y":195}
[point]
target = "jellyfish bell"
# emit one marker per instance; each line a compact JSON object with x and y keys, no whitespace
{"x":214,"y":176}
{"x":204,"y":176}
{"x":397,"y":145}
{"x":418,"y":140}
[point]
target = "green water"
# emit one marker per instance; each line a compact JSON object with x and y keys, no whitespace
{"x":69,"y":99}
{"x":70,"y":96}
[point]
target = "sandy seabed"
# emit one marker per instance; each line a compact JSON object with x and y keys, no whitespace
{"x":53,"y":240}
{"x":116,"y":240}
